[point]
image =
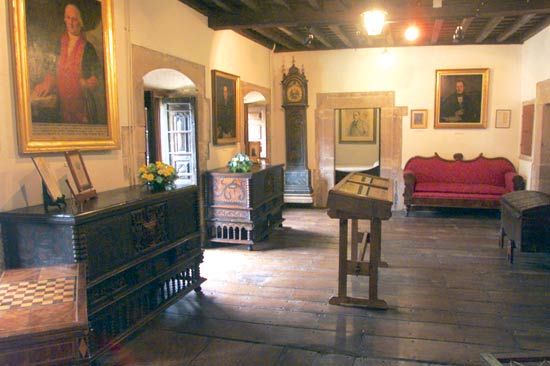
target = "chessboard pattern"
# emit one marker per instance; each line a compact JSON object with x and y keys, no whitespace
{"x":43,"y":292}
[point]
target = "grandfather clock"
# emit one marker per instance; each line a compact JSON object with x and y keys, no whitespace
{"x":297,"y":175}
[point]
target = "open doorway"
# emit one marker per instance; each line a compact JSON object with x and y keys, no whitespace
{"x":170,"y":129}
{"x":255,"y":133}
{"x":356,"y":141}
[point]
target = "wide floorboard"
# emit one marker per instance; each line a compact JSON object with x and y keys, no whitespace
{"x":451,"y":291}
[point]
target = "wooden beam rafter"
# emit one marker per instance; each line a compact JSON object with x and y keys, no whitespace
{"x":517,"y":25}
{"x":251,"y":4}
{"x":319,"y":36}
{"x":274,"y":37}
{"x":436,"y":30}
{"x":341,"y":36}
{"x":488,"y":29}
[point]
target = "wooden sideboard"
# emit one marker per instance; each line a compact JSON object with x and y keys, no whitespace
{"x":243,"y":208}
{"x":142,"y":250}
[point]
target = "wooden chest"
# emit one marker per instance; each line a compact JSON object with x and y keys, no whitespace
{"x":243,"y":208}
{"x":142,"y":250}
{"x":525,"y":219}
{"x":43,"y":318}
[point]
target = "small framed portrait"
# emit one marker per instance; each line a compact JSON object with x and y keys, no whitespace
{"x":225,"y":107}
{"x":78,"y":170}
{"x":419,"y":118}
{"x":502,"y":118}
{"x":65,"y":84}
{"x":358,"y":125}
{"x":461,"y":98}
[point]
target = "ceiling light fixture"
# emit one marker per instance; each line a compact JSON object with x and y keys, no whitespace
{"x":373,"y":21}
{"x":412,"y":33}
{"x":458,"y":35}
{"x":309,"y":38}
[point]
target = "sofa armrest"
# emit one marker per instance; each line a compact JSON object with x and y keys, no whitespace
{"x":410,"y":181}
{"x":514,"y":182}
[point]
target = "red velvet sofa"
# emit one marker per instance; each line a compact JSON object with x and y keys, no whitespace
{"x":477,"y":183}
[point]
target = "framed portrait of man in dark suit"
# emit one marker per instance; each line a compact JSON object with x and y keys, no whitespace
{"x":461,"y":98}
{"x":225,"y":107}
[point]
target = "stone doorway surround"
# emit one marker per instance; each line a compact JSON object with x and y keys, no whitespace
{"x":540,"y":170}
{"x":390,"y":138}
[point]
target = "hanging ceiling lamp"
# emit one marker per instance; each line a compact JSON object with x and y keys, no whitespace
{"x":373,"y":21}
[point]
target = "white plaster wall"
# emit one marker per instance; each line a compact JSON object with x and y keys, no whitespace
{"x":412,"y":77}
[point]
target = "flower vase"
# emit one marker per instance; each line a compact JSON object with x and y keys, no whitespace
{"x":156,"y":187}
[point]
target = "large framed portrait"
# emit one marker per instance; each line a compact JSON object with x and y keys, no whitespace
{"x":64,"y":75}
{"x":461,"y":98}
{"x":225,"y":107}
{"x":357,"y":125}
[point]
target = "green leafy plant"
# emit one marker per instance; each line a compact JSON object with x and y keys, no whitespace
{"x":240,"y":163}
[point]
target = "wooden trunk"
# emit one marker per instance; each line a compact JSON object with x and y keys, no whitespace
{"x":243,"y":208}
{"x":142,"y":251}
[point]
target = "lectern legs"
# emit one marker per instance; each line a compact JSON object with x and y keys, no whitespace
{"x":356,"y":266}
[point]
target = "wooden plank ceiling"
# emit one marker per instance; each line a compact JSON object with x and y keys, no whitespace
{"x":284,"y":25}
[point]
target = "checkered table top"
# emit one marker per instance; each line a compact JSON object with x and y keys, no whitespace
{"x":25,"y":294}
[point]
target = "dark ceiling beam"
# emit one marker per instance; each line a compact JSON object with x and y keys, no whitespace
{"x":545,"y":23}
{"x":333,"y":13}
{"x":282,"y":3}
{"x":319,"y":36}
{"x":297,"y":37}
{"x":488,"y":29}
{"x":466,"y":23}
{"x":251,"y":4}
{"x":222,"y":5}
{"x":314,"y":4}
{"x":514,"y":27}
{"x":436,"y":30}
{"x":341,"y":36}
{"x":274,"y":37}
{"x":346,"y":3}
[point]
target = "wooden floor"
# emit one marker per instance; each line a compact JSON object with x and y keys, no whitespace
{"x":451,"y":291}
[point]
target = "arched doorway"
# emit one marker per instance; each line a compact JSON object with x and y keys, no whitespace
{"x":170,"y":128}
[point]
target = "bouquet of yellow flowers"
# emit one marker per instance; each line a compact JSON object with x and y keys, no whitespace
{"x":157,"y":175}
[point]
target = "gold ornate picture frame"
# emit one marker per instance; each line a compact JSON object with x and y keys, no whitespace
{"x":225,"y":108}
{"x":84,"y":188}
{"x":419,"y":118}
{"x":461,"y":98}
{"x":62,"y":106}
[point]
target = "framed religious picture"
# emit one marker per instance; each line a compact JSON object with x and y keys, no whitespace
{"x":81,"y":179}
{"x":225,"y":107}
{"x":502,"y":118}
{"x":65,"y":100}
{"x":419,"y":118}
{"x":461,"y":98}
{"x":358,"y":125}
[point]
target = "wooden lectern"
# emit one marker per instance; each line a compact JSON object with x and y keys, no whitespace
{"x":360,"y":196}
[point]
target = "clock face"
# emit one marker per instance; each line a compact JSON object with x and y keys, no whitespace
{"x":294,"y":93}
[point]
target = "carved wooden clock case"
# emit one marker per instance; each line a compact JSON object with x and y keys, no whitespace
{"x":297,"y":175}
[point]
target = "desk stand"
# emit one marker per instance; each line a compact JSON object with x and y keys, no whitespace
{"x":357,"y":266}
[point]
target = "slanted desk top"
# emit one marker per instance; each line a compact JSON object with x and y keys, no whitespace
{"x":361,"y":196}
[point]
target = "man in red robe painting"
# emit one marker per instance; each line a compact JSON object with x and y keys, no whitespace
{"x":77,"y":73}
